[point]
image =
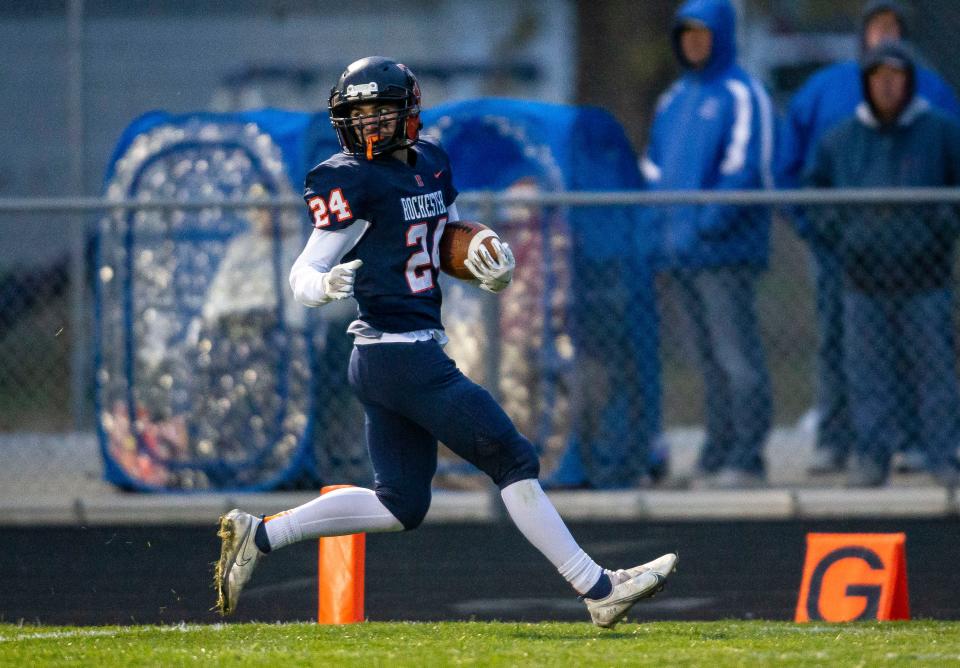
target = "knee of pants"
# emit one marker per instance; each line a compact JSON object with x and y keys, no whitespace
{"x":521,"y":463}
{"x":408,"y":506}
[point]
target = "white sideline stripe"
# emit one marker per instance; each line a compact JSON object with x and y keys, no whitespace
{"x":109,"y":633}
{"x":798,"y":628}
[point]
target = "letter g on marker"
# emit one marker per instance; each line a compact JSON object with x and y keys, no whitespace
{"x":869,"y":592}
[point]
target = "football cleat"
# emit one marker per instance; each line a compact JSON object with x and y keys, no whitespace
{"x":629,"y":586}
{"x":238,"y":557}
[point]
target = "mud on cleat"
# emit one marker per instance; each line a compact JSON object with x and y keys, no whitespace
{"x":238,"y":558}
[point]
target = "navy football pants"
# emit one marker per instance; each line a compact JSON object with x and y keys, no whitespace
{"x":414,"y":395}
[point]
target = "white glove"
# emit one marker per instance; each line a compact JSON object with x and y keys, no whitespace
{"x":338,"y":282}
{"x":494,"y":274}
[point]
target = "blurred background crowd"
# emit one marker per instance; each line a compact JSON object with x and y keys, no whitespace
{"x":716,"y":338}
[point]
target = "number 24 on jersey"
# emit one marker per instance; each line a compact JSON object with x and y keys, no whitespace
{"x":335,"y":204}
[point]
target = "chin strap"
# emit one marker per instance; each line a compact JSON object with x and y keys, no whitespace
{"x":371,"y":140}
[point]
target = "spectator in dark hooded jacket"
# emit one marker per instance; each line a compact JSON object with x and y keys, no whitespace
{"x":895,"y":262}
{"x":828,"y":97}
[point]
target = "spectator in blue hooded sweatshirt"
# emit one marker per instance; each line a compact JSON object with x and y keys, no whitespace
{"x":713,"y":130}
{"x":828,"y":97}
{"x":896,"y":265}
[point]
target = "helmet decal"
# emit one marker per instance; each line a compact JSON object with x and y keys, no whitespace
{"x":362,"y":90}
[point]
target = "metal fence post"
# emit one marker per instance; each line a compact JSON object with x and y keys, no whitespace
{"x":491,"y":327}
{"x":77,"y":223}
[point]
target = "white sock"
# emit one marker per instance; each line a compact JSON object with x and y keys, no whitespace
{"x":337,"y":513}
{"x":538,"y":520}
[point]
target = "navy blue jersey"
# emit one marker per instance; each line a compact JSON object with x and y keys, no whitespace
{"x":406,"y":206}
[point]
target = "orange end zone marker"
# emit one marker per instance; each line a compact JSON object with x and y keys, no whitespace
{"x":854,"y":576}
{"x":340,"y":571}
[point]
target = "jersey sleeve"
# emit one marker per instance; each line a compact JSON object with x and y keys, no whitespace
{"x":335,"y":196}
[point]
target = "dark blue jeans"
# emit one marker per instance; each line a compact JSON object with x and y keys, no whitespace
{"x":414,"y":395}
{"x":901,"y":369}
{"x":720,"y":303}
{"x":834,"y":431}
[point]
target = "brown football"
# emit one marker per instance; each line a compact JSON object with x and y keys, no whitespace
{"x":456,"y":242}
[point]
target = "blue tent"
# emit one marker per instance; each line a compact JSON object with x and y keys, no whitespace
{"x":202,"y":359}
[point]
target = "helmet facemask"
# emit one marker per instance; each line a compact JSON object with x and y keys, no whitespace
{"x":377,"y":133}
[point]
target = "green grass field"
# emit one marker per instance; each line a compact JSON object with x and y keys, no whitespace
{"x":727,"y":643}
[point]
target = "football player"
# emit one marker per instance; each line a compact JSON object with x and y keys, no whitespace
{"x":379,"y":209}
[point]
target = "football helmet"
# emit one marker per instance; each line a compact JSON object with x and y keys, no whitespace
{"x":376,"y":80}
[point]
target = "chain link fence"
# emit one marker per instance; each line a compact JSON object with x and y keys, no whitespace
{"x":35,"y":345}
{"x":800,"y":318}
